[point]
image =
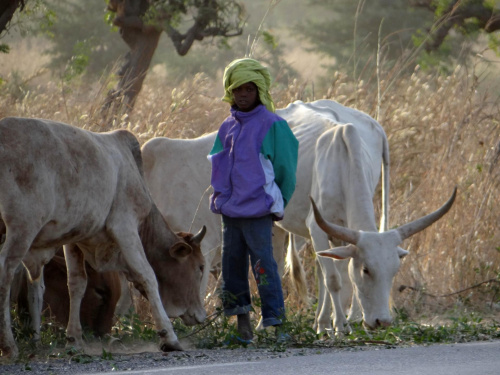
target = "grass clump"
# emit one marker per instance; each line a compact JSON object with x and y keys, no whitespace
{"x":132,"y":333}
{"x":464,"y":327}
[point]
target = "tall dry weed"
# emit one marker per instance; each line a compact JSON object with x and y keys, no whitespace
{"x":443,"y":132}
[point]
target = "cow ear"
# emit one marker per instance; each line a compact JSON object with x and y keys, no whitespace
{"x":341,"y":252}
{"x":180,"y":250}
{"x":402,"y":253}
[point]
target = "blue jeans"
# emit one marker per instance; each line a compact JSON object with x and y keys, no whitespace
{"x":243,"y":238}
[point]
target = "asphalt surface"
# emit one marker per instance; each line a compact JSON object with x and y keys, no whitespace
{"x":478,"y":358}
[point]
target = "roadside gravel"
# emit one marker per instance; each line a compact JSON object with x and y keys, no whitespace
{"x":151,"y":360}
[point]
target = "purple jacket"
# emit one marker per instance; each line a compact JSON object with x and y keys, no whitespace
{"x":254,"y":159}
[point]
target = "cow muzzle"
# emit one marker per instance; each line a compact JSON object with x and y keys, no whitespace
{"x":377,"y":323}
{"x":191,"y":319}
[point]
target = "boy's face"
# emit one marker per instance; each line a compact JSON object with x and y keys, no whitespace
{"x":246,"y":96}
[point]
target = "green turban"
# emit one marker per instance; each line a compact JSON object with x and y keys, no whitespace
{"x":246,"y":70}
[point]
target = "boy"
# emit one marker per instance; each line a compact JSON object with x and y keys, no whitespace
{"x":254,"y":159}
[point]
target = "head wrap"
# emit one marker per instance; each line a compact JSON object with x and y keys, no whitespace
{"x":241,"y":71}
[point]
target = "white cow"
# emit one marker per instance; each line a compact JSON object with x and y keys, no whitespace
{"x":177,"y":173}
{"x":341,"y":152}
{"x":61,"y":185}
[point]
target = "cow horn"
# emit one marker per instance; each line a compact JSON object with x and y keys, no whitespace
{"x":337,"y":231}
{"x":415,"y":226}
{"x":199,"y":236}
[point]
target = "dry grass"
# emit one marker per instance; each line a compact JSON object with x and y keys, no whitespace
{"x":443,"y":132}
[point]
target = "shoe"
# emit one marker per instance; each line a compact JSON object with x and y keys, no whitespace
{"x":281,"y":336}
{"x":236,"y":340}
{"x":245,"y":328}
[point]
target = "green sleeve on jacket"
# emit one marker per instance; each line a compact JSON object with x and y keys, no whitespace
{"x":217,"y":147}
{"x":281,"y":147}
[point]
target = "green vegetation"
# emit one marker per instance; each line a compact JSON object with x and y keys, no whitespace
{"x":220,"y":331}
{"x":349,"y":33}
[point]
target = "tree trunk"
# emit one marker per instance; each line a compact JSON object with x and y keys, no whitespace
{"x":142,"y":40}
{"x":132,"y":73}
{"x":7,"y":10}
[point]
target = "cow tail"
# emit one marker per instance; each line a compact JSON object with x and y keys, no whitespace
{"x":134,"y":147}
{"x":384,"y":218}
{"x":297,"y":273}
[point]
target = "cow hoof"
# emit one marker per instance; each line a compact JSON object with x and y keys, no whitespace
{"x":9,"y":352}
{"x":323,"y":329}
{"x":171,"y":347}
{"x":329,"y":332}
{"x":347,"y":329}
{"x":73,"y":345}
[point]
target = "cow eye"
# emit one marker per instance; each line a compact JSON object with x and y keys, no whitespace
{"x":366,"y":271}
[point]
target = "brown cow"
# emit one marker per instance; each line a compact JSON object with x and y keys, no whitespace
{"x":63,"y":185}
{"x":98,"y":304}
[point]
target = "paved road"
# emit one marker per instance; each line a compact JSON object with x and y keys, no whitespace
{"x":480,"y":358}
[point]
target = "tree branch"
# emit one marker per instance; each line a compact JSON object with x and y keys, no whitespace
{"x":208,"y":16}
{"x":456,"y":16}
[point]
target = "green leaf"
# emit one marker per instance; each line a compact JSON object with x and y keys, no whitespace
{"x":269,"y":39}
{"x":4,"y":48}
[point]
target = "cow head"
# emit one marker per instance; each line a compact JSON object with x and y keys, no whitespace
{"x":375,"y":259}
{"x":179,"y":278}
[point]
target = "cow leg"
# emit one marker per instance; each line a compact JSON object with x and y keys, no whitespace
{"x":324,"y":306}
{"x":141,"y":272}
{"x":333,"y":282}
{"x":16,"y":245}
{"x":34,"y":263}
{"x":213,"y":259}
{"x":125,"y":302}
{"x":348,"y":298}
{"x":350,"y":302}
{"x":346,"y":292}
{"x":320,"y":296}
{"x":36,"y":289}
{"x":324,"y":310}
{"x":355,"y":312}
{"x":77,"y":284}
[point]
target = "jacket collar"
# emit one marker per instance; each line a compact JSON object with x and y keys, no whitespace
{"x":242,"y":116}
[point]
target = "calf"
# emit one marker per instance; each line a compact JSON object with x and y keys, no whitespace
{"x":98,"y":303}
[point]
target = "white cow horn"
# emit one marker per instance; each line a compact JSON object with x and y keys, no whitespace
{"x":416,"y":226}
{"x":199,"y":236}
{"x":337,"y":231}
